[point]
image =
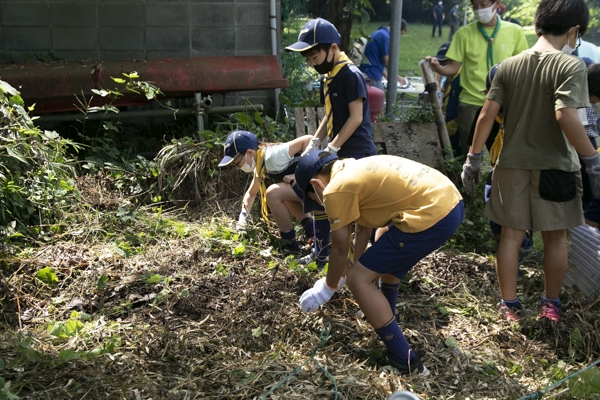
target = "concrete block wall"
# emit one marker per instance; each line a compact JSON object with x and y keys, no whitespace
{"x":43,"y":30}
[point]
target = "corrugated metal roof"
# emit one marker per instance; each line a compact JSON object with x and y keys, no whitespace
{"x":584,"y":260}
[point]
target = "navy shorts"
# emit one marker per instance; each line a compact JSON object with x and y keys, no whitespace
{"x":396,"y":252}
{"x":592,"y":211}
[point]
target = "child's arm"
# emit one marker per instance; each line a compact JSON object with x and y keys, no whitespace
{"x":298,"y":145}
{"x":571,"y":125}
{"x":247,"y":202}
{"x":352,"y":123}
{"x":484,"y":125}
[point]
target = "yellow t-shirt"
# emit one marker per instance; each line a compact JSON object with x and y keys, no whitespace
{"x":379,"y":190}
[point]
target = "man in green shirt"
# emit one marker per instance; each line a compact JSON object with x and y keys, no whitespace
{"x":475,"y":48}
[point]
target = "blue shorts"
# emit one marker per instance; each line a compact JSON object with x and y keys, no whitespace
{"x":592,"y":211}
{"x":396,"y":252}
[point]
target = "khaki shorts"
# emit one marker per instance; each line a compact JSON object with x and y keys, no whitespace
{"x":515,"y":202}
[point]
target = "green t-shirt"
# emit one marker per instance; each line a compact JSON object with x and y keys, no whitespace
{"x":470,"y":48}
{"x":532,"y":87}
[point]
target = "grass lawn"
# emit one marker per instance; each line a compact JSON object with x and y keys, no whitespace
{"x":417,"y":43}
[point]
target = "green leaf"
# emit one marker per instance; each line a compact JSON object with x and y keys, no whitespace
{"x":239,"y":249}
{"x":257,"y":332}
{"x":95,"y":352}
{"x":443,"y":310}
{"x":47,"y":276}
{"x":72,"y":327}
{"x":119,"y":80}
{"x":451,"y":343}
{"x":154,"y":279}
{"x":102,"y":282}
{"x":58,"y":329}
{"x":68,"y":355}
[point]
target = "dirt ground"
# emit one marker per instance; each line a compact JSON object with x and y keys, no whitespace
{"x":216,"y":316}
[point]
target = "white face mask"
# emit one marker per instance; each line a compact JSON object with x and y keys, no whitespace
{"x":248,"y":168}
{"x":566,"y":48}
{"x":596,"y":107}
{"x":321,"y":202}
{"x":484,"y":15}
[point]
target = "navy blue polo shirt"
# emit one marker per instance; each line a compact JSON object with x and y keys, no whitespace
{"x":348,"y":85}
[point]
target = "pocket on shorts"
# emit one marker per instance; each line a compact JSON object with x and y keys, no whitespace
{"x":558,"y":186}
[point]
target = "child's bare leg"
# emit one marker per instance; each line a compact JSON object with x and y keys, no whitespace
{"x":555,"y":261}
{"x":507,"y":261}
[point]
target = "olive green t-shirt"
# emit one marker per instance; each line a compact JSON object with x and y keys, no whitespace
{"x":532,"y":86}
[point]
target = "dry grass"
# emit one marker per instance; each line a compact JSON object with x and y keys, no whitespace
{"x":219,"y":326}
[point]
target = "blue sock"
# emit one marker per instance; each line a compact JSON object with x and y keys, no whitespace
{"x":289,"y":238}
{"x":390,"y":292}
{"x":514,"y":304}
{"x":322,"y":235}
{"x":308,"y":226}
{"x":393,"y":338}
{"x":555,"y":301}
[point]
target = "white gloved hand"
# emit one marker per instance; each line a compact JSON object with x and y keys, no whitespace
{"x":313,"y":298}
{"x":242,"y":221}
{"x":331,"y":149}
{"x":471,"y":172}
{"x":314,"y":144}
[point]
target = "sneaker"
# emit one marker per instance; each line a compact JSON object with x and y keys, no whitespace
{"x":415,"y":367}
{"x":307,"y":259}
{"x":510,"y":313}
{"x":550,"y":311}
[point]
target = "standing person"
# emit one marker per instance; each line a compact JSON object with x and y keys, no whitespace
{"x":415,"y":210}
{"x":536,"y":183}
{"x":277,"y":162}
{"x":476,"y":47}
{"x":438,"y":18}
{"x":376,"y":58}
{"x":347,"y":122}
{"x":454,"y":20}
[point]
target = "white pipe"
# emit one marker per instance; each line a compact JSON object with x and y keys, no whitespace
{"x":274,"y":47}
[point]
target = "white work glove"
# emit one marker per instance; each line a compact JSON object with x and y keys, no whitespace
{"x":592,"y":168}
{"x":331,"y":149}
{"x":242,"y":221}
{"x":313,"y":298}
{"x":314,"y":144}
{"x":471,"y":172}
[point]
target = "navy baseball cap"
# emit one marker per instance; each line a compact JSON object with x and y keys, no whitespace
{"x":238,"y":142}
{"x":490,"y":76}
{"x":314,"y":32}
{"x":307,"y":167}
{"x":441,"y":53}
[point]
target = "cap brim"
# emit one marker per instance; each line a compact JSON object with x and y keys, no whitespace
{"x":226,"y":161}
{"x":300,"y":46}
{"x":311,"y":205}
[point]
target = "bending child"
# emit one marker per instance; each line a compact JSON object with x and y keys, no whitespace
{"x":283,"y":197}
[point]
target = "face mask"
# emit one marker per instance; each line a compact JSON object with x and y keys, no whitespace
{"x":566,"y":48}
{"x":316,"y":194}
{"x":485,"y":15}
{"x":248,"y":168}
{"x":325,"y":66}
{"x":597,"y":107}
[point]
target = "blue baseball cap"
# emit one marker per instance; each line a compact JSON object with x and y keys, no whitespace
{"x":238,"y":142}
{"x":314,"y":32}
{"x":441,"y":53}
{"x":307,"y":167}
{"x":490,"y":76}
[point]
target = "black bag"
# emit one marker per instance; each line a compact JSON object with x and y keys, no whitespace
{"x":558,"y":186}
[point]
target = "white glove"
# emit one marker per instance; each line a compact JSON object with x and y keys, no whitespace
{"x":313,"y":298}
{"x":314,"y":144}
{"x":242,"y":221}
{"x":331,"y":149}
{"x":471,"y":172}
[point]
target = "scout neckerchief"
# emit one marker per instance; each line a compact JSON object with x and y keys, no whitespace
{"x":490,"y":40}
{"x":260,"y":174}
{"x":498,"y":142}
{"x":328,"y":78}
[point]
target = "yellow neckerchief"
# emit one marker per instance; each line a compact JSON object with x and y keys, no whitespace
{"x":498,"y":142}
{"x":328,"y":78}
{"x":260,"y":174}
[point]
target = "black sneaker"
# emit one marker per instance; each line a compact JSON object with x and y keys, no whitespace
{"x":415,"y":367}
